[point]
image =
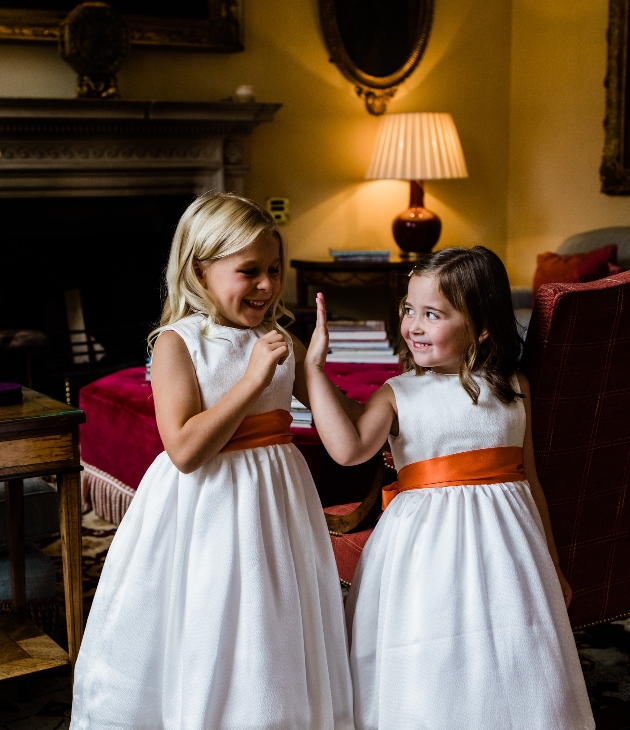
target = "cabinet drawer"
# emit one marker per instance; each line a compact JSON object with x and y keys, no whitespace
{"x":36,"y":450}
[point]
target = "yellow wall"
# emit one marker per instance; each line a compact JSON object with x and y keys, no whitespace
{"x":523,"y":80}
{"x":556,"y":136}
{"x":318,"y":148}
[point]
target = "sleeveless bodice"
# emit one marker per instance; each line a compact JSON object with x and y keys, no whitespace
{"x":436,"y":417}
{"x":220,"y":359}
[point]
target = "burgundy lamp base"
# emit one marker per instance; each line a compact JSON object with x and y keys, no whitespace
{"x":417,"y":229}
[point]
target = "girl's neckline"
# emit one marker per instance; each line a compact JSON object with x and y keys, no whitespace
{"x":227,"y":326}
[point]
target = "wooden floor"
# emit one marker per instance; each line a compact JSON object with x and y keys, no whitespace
{"x":25,"y":648}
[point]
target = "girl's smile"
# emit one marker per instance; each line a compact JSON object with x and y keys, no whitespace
{"x":244,"y":285}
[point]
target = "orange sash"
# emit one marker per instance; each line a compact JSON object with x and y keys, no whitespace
{"x":480,"y":466}
{"x":265,"y":429}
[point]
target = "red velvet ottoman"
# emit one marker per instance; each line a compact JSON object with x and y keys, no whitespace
{"x":120,"y":439}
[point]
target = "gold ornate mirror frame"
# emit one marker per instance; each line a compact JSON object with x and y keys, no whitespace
{"x":615,"y":169}
{"x":221,"y":31}
{"x":375,"y":90}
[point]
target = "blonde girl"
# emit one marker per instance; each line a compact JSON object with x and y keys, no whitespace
{"x":457,"y":612}
{"x":219,"y":606}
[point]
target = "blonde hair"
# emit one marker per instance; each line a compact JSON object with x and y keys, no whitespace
{"x":214,"y":226}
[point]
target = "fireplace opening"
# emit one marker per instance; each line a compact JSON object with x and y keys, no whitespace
{"x":63,"y":258}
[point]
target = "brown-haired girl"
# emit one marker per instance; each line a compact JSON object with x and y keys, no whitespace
{"x":457,"y":612}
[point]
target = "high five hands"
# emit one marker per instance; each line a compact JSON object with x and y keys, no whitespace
{"x":318,"y":349}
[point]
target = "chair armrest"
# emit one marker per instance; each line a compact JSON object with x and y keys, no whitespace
{"x":339,"y":524}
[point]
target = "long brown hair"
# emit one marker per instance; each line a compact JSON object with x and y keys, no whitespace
{"x":476,"y":284}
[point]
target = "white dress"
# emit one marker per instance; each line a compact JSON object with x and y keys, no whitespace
{"x":456,"y":618}
{"x":219,"y":606}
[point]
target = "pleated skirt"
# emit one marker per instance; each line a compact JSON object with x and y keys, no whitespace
{"x":456,"y":618}
{"x":219,"y":605}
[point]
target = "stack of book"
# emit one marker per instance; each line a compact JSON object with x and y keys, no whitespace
{"x":364,"y":256}
{"x":359,"y":341}
{"x":302,"y":417}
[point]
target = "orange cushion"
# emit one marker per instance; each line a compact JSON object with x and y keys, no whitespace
{"x":554,"y":268}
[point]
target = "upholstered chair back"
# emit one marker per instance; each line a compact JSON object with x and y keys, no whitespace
{"x":577,"y":357}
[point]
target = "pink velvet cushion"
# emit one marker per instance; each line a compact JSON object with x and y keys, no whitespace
{"x":120,"y":435}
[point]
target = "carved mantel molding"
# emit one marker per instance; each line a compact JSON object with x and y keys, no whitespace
{"x":77,"y":147}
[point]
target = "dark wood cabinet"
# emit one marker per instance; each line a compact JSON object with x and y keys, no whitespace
{"x":325,"y":272}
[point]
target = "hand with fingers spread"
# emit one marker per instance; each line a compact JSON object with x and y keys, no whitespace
{"x":270,"y":351}
{"x":318,"y":349}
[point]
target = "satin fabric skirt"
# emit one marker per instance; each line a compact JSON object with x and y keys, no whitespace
{"x":456,"y":618}
{"x":219,"y":606}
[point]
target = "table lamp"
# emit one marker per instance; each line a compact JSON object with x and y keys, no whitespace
{"x":417,"y":147}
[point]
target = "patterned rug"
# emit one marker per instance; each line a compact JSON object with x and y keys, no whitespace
{"x":604,"y":653}
{"x":43,"y":702}
{"x":97,"y":537}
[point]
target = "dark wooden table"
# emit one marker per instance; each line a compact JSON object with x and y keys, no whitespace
{"x":326,"y":272}
{"x":40,"y":436}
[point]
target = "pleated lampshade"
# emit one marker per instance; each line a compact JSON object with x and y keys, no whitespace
{"x":417,"y":146}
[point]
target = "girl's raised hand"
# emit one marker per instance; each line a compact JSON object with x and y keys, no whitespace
{"x":269,"y":351}
{"x":318,"y":349}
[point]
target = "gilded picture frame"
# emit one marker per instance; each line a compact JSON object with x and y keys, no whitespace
{"x":615,"y":168}
{"x":376,"y":90}
{"x":220,"y":32}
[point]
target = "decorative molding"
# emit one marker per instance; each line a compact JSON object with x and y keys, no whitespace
{"x":325,"y":277}
{"x":115,"y":152}
{"x":232,"y":152}
{"x":106,"y":127}
{"x":615,"y":171}
{"x":61,"y":147}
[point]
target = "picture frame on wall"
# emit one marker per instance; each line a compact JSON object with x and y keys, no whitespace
{"x":201,"y":25}
{"x":615,"y":168}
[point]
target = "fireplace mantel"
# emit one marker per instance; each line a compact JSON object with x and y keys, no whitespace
{"x":80,"y":147}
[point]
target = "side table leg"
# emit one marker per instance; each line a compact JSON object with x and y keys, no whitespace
{"x":14,"y":501}
{"x":69,"y":492}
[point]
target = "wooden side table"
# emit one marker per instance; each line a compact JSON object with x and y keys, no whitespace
{"x":326,"y":272}
{"x":37,"y":437}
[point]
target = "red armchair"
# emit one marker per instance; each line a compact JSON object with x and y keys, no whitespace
{"x":577,"y":357}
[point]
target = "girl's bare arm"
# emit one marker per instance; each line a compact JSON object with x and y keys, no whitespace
{"x":537,"y":490}
{"x":192,"y":436}
{"x":352,"y":409}
{"x":348,"y":442}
